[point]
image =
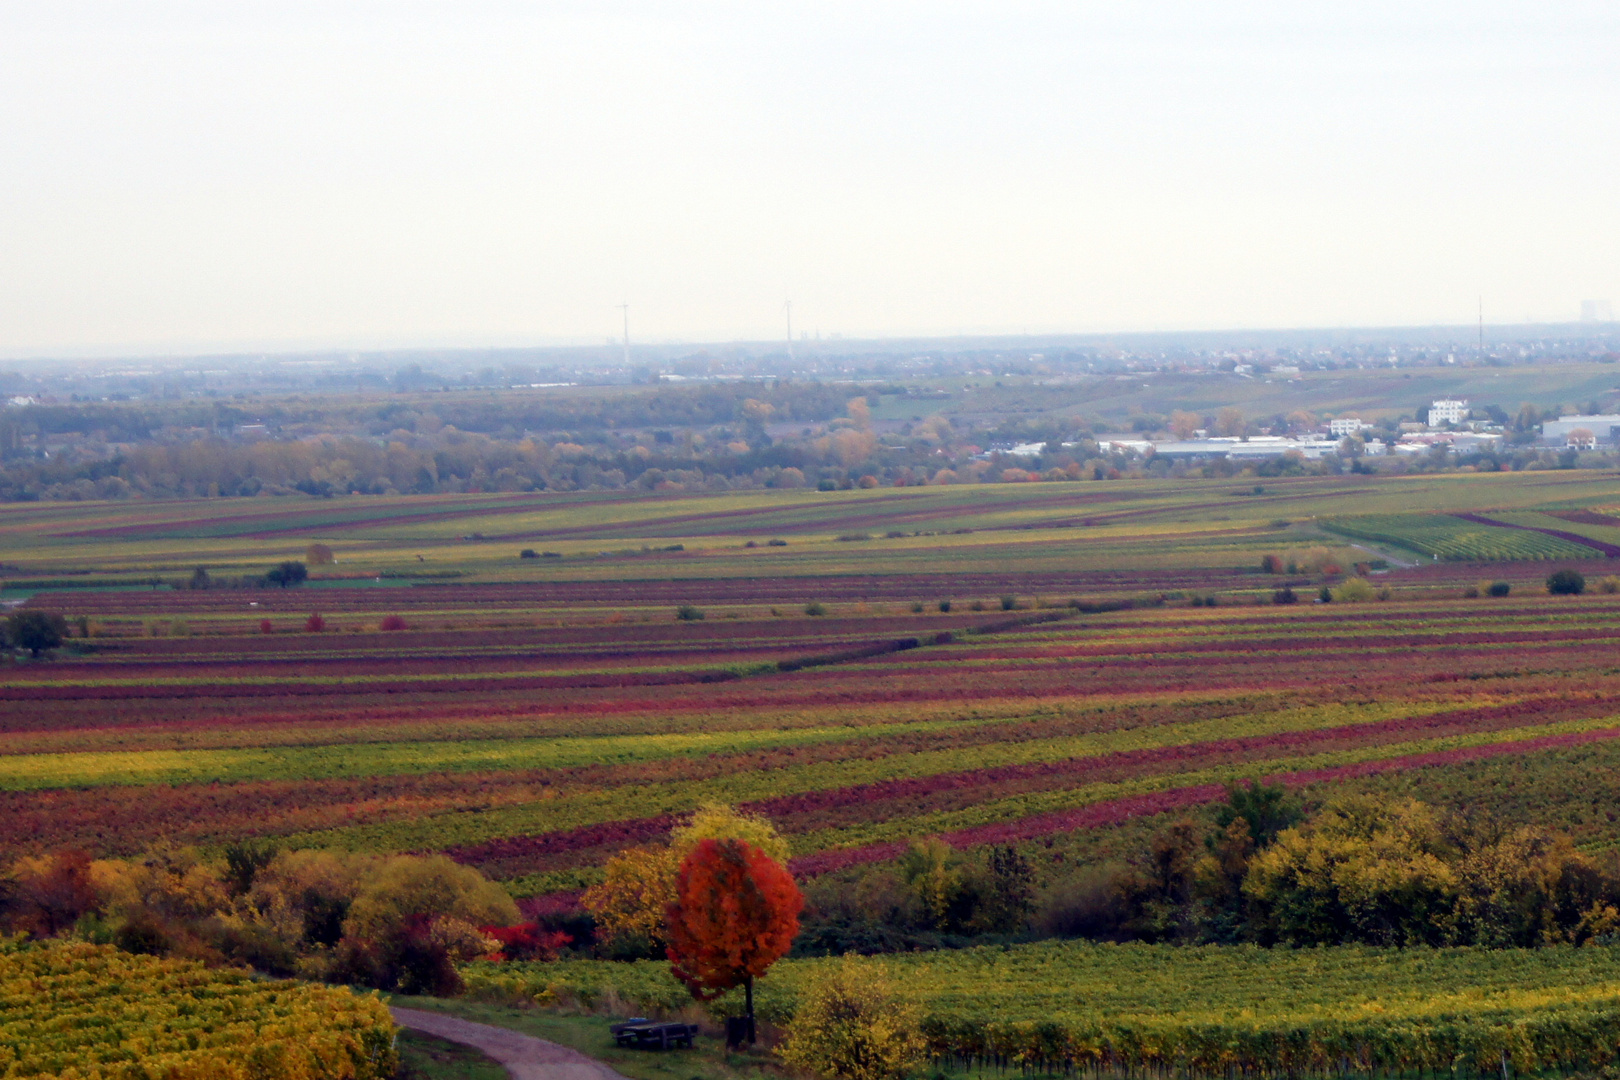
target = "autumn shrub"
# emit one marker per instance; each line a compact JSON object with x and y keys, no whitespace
{"x":1609,"y":584}
{"x":1271,"y":564}
{"x":385,"y":921}
{"x":434,"y":886}
{"x":718,"y":821}
{"x":1471,"y":591}
{"x":852,"y":1025}
{"x":314,"y":624}
{"x":1354,"y":591}
{"x":47,"y":894}
{"x":392,"y":622}
{"x":265,"y":627}
{"x":414,"y":919}
{"x":688,"y":613}
{"x":629,"y":902}
{"x":527,"y":941}
{"x":940,"y":889}
{"x":1009,"y":603}
{"x":815,"y":607}
{"x":1284,"y":595}
{"x":418,"y":957}
{"x":244,"y":860}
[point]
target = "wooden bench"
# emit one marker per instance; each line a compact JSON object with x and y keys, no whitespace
{"x":652,"y":1034}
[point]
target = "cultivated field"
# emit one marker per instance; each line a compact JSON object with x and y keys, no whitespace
{"x":1210,"y":1011}
{"x":536,"y":715}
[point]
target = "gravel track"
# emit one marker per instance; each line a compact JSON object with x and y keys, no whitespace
{"x":524,"y":1056}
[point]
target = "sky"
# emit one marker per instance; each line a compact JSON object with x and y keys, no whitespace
{"x":254,"y":175}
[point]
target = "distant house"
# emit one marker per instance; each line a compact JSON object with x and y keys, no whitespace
{"x":1597,"y":429}
{"x":1346,"y":425}
{"x":1447,"y":412}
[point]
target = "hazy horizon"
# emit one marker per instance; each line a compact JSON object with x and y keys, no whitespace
{"x":277,"y":177}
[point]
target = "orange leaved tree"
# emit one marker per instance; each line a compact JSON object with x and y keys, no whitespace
{"x":736,"y":912}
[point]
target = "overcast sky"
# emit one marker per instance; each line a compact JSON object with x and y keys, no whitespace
{"x":253,"y":175}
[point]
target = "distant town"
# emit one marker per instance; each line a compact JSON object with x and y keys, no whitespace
{"x":830,"y":414}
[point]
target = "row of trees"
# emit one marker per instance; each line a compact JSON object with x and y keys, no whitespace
{"x":1361,"y":870}
{"x":393,"y":922}
{"x":721,"y":906}
{"x":845,"y":457}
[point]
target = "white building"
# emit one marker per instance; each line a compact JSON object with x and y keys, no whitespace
{"x":1256,"y":448}
{"x":1604,"y":429}
{"x":1447,"y":412}
{"x":1461,"y":442}
{"x":1347,"y":425}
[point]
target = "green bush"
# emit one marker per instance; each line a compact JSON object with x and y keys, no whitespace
{"x":1500,"y":588}
{"x":815,"y":607}
{"x":688,"y":613}
{"x":1566,"y":583}
{"x":35,"y":631}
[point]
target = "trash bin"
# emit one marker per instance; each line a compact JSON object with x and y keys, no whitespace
{"x":739,"y":1030}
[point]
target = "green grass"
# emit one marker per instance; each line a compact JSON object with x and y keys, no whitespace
{"x":423,"y":1057}
{"x":708,"y":1058}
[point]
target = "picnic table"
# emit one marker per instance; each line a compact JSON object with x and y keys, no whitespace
{"x":652,"y":1034}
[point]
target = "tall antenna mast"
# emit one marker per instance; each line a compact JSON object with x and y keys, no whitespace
{"x":787,"y":306}
{"x":625,"y":307}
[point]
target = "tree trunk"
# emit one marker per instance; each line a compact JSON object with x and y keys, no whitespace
{"x":748,"y":1004}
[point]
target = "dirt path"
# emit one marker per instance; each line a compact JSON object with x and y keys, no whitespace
{"x":525,"y":1057}
{"x":1402,"y":563}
